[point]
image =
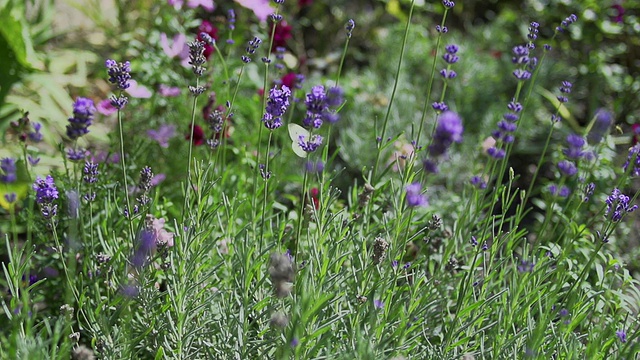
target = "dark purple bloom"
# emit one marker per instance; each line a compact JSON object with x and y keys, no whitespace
{"x":520,"y":55}
{"x":474,"y":241}
{"x":378,"y":304}
{"x":33,"y":160}
{"x":566,"y":22}
{"x":10,"y":197}
{"x":622,"y":336}
{"x":36,"y":135}
{"x":448,"y":131}
{"x":440,"y":106}
{"x":277,"y":105}
{"x":8,"y":170}
{"x":567,"y":168}
{"x":562,"y":192}
{"x":83,"y":110}
{"x":450,"y":56}
{"x":442,"y":29}
{"x":565,"y":89}
{"x":76,"y":154}
{"x":90,"y":172}
{"x":318,"y":103}
{"x":496,"y":153}
{"x":533,"y":31}
{"x":618,"y":206}
{"x":118,"y":102}
{"x":311,"y":144}
{"x":633,"y":158}
{"x":601,"y":126}
{"x":588,"y":191}
{"x":575,"y":143}
{"x":119,"y":73}
{"x":350,"y":26}
{"x":448,"y":4}
{"x":254,"y":44}
{"x":46,"y":194}
{"x":477,"y":182}
{"x":414,"y":195}
{"x":231,"y":19}
{"x":526,"y":266}
{"x":521,"y":74}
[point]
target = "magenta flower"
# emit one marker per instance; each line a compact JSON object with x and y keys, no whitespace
{"x":163,"y":134}
{"x":105,"y":108}
{"x":138,"y":91}
{"x":261,"y":8}
{"x":168,"y":91}
{"x":177,"y":48}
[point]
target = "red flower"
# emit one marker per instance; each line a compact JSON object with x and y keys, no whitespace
{"x":619,"y":17}
{"x":303,"y":3}
{"x":314,"y":192}
{"x":281,"y":34}
{"x":198,"y":135}
{"x":209,"y":29}
{"x":289,"y":80}
{"x":636,"y":134}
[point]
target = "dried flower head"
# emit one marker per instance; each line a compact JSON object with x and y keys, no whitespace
{"x":380,"y":246}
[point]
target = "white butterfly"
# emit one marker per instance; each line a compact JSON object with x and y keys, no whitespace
{"x":295,"y":131}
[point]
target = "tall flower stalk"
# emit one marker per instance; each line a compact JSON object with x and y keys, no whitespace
{"x":119,"y":75}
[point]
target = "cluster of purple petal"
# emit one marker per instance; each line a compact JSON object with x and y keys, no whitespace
{"x":448,"y":4}
{"x":415,"y":197}
{"x":310,"y":144}
{"x":565,"y":89}
{"x":533,"y":34}
{"x":351,"y":24}
{"x":83,"y":110}
{"x":562,"y":191}
{"x":277,"y":105}
{"x":46,"y":194}
{"x":478,"y":182}
{"x":450,"y":56}
{"x":448,"y":131}
{"x":8,"y":170}
{"x":251,"y":49}
{"x":618,"y":205}
{"x":567,"y":168}
{"x":566,"y":22}
{"x":319,"y":104}
{"x":574,"y":150}
{"x":508,"y":125}
{"x":601,"y":126}
{"x":439,"y":107}
{"x":633,"y":158}
{"x":119,"y":73}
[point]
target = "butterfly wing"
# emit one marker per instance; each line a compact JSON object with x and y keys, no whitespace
{"x":295,"y":131}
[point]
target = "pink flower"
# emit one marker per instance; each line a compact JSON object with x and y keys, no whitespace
{"x":163,"y":134}
{"x":192,"y":4}
{"x":261,"y":8}
{"x":105,"y":108}
{"x":168,"y":91}
{"x":162,"y":236}
{"x":138,"y":91}
{"x":209,"y":29}
{"x":206,"y":4}
{"x":178,"y":48}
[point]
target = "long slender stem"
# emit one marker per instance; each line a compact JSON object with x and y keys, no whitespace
{"x":189,"y":160}
{"x":124,"y":176}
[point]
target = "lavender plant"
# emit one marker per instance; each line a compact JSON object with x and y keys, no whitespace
{"x":242,"y":241}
